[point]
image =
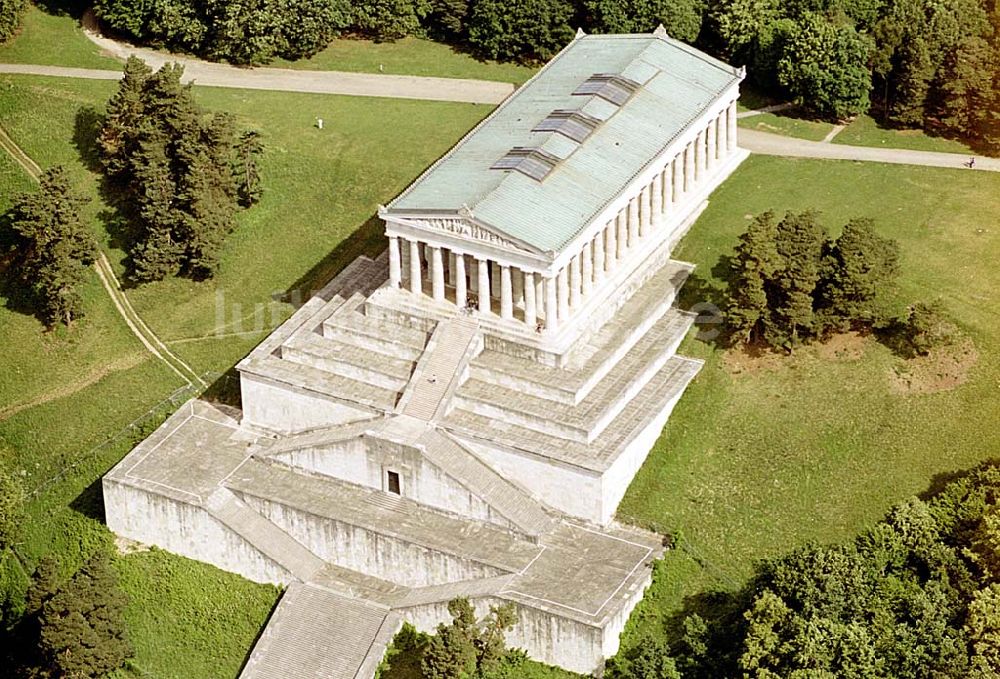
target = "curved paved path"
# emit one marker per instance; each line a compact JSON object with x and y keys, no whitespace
{"x":288,"y":80}
{"x":777,"y":145}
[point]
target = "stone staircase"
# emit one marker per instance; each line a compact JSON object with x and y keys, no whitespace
{"x":317,"y":634}
{"x":586,"y":420}
{"x":440,"y":368}
{"x":511,"y":502}
{"x":263,"y":535}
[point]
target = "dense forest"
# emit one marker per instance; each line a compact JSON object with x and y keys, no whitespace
{"x":933,"y":64}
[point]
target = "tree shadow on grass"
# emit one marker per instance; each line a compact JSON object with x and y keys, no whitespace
{"x":368,"y":239}
{"x":708,"y":298}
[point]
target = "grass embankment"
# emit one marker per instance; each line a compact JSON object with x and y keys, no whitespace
{"x":409,"y":56}
{"x":63,"y":393}
{"x":787,"y":125}
{"x":866,"y":131}
{"x":815,"y":447}
{"x":53,"y":40}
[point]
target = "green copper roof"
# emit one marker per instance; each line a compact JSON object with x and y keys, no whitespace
{"x":545,"y":208}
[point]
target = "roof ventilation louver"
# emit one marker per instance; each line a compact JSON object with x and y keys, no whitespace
{"x":533,"y":163}
{"x":573,"y":124}
{"x":608,"y":86}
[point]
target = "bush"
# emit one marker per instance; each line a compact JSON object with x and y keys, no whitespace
{"x":923,"y":329}
{"x":10,"y":17}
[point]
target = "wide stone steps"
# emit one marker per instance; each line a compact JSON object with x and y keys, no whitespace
{"x":500,"y":494}
{"x":318,"y":634}
{"x":325,"y":383}
{"x":589,"y":363}
{"x":439,"y":368}
{"x":666,"y":386}
{"x":349,"y":326}
{"x":348,"y":360}
{"x":263,"y":535}
{"x":361,"y":276}
{"x":585,"y":421}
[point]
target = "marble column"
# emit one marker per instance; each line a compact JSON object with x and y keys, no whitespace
{"x":668,"y":187}
{"x":645,"y":210}
{"x":517,"y":284}
{"x":710,"y":157}
{"x":395,"y":273}
{"x":599,"y":263}
{"x":506,"y":294}
{"x":495,"y":279}
{"x":551,"y":304}
{"x":562,"y":310}
{"x":656,"y":201}
{"x":461,"y":295}
{"x":633,"y":222}
{"x":482,"y":267}
{"x":699,"y":157}
{"x":688,"y":167}
{"x":541,"y":303}
{"x":530,"y":312}
{"x":575,"y":282}
{"x":611,"y":251}
{"x":678,"y":173}
{"x":731,"y":128}
{"x":416,"y":275}
{"x":437,"y":274}
{"x":450,"y":259}
{"x":587,"y":269}
{"x":621,"y":238}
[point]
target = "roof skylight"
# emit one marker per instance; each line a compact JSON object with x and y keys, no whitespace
{"x":573,"y":124}
{"x":609,"y":86}
{"x":531,"y":162}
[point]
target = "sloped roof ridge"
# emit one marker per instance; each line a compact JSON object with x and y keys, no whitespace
{"x":482,"y":123}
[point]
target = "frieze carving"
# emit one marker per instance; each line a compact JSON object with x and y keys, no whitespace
{"x":468,"y":230}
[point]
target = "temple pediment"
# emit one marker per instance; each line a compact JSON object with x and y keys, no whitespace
{"x":468,"y":228}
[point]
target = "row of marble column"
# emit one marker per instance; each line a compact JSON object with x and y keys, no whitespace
{"x":554,"y":298}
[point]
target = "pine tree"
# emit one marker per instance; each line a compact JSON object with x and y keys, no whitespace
{"x":118,"y":138}
{"x":967,"y":87}
{"x":799,"y":240}
{"x":451,"y":652}
{"x":753,"y":264}
{"x":83,"y":630}
{"x":249,"y":148}
{"x":56,"y":248}
{"x":859,"y":277}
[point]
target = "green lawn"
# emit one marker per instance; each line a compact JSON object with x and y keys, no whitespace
{"x":816,"y":446}
{"x":865,"y":131}
{"x":53,"y":40}
{"x":409,"y":56}
{"x":779,"y":123}
{"x":65,"y":392}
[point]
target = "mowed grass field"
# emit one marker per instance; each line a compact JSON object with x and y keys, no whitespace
{"x":866,"y":131}
{"x":786,"y":125}
{"x":817,"y":446}
{"x":814,"y":447}
{"x":66,"y":392}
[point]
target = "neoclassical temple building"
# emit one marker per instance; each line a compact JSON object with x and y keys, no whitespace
{"x":462,"y":415}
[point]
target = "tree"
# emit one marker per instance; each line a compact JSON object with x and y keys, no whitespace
{"x":82,"y":625}
{"x":55,"y":248}
{"x":681,"y":18}
{"x":249,"y":148}
{"x":825,"y":67}
{"x":390,"y":19}
{"x":526,"y":30}
{"x":467,"y":649}
{"x":451,"y":652}
{"x":753,"y":265}
{"x":924,"y":328}
{"x":180,"y":174}
{"x":10,"y":17}
{"x":966,"y":88}
{"x":799,"y":240}
{"x":859,"y":277}
{"x":118,"y":139}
